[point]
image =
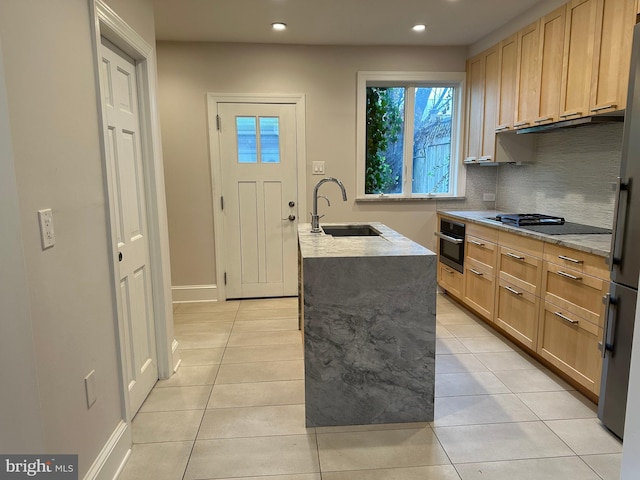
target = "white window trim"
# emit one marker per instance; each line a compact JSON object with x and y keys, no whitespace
{"x":421,"y":78}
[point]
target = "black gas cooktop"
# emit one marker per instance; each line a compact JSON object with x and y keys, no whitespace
{"x":522,"y":219}
{"x":547,"y":224}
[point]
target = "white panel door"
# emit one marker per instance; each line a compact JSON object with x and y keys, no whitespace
{"x":260,"y":195}
{"x":127,"y":192}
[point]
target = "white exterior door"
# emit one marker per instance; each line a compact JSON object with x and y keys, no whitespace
{"x":127,"y":198}
{"x":260,"y":198}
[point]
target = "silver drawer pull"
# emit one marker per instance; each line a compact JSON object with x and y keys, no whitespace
{"x":447,"y":238}
{"x":567,"y":275}
{"x":521,"y":124}
{"x":603,"y":107}
{"x":570,"y":114}
{"x":543,"y":119}
{"x":447,"y":270}
{"x":566,"y":319}
{"x":513,"y":255}
{"x":480,"y":244}
{"x":475,"y":272}
{"x":515,"y":292}
{"x":569,"y":259}
{"x":501,"y":128}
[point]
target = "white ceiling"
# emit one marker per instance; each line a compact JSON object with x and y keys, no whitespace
{"x":334,"y":22}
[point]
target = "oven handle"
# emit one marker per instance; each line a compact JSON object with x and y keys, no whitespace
{"x":447,"y":238}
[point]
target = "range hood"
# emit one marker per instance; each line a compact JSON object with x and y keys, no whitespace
{"x":616,"y":117}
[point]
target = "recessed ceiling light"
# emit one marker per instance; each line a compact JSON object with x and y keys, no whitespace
{"x":279,"y":26}
{"x":419,"y":28}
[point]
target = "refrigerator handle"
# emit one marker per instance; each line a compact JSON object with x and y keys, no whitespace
{"x":620,"y":187}
{"x":606,"y":345}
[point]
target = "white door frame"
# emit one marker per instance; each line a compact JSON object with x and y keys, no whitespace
{"x":109,"y":25}
{"x":216,"y":164}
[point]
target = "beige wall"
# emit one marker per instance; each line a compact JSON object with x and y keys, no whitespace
{"x":53,"y":121}
{"x":327,"y":76}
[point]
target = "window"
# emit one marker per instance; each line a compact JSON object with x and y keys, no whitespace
{"x":252,"y":146}
{"x":409,"y":135}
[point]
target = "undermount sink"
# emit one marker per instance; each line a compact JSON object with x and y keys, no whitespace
{"x":351,"y":231}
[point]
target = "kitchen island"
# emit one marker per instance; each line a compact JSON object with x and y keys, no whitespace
{"x":369,"y":305}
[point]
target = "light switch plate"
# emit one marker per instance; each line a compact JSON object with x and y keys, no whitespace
{"x":45,"y":217}
{"x":90,"y":387}
{"x":318,"y":168}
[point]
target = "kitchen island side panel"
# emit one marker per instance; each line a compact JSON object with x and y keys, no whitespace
{"x":369,"y":338}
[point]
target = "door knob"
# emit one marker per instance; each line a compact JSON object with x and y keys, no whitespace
{"x":292,"y":204}
{"x":119,"y":256}
{"x":291,"y":218}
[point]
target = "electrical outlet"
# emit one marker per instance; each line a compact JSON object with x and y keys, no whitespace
{"x":489,"y":197}
{"x":47,"y":235}
{"x":318,"y":168}
{"x":90,"y":388}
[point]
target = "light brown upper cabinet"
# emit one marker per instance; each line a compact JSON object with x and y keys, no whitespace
{"x":578,"y":58}
{"x":508,"y":55}
{"x":612,"y":54}
{"x":491,"y":92}
{"x":527,"y":81}
{"x":551,"y":49}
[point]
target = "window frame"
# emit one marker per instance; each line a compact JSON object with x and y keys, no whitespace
{"x":411,"y":79}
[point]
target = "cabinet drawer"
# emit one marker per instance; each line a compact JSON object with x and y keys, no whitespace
{"x":520,"y":269}
{"x":480,"y":231}
{"x":571,"y":344}
{"x":517,"y":313}
{"x":527,"y":245}
{"x":450,"y":280}
{"x":481,"y":251}
{"x":576,"y":292}
{"x":575,"y":259}
{"x":479,"y":292}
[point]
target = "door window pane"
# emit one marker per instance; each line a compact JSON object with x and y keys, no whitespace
{"x":269,"y":140}
{"x":246,"y":132}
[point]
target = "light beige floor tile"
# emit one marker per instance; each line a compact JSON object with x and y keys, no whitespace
{"x":539,"y":380}
{"x":467,"y":331}
{"x":379,"y":449}
{"x":586,"y":436}
{"x":204,"y":317}
{"x":189,"y":376}
{"x":442,"y":332}
{"x":242,"y":339}
{"x":446,"y":346}
{"x":260,"y":372}
{"x":607,"y":466}
{"x":457,"y":318}
{"x":563,"y":468}
{"x":201,"y":356}
{"x":503,"y":441}
{"x":480,"y":409}
{"x":281,"y":324}
{"x":559,"y":405}
{"x":205,"y":307}
{"x":155,"y":427}
{"x":487,"y":344}
{"x":257,"y":394}
{"x":468,"y":383}
{"x":300,"y":476}
{"x":246,"y":457}
{"x":373,"y":427}
{"x":266,"y":314}
{"x":209,"y":340}
{"x":202,"y":328}
{"x":263,"y":353}
{"x":157,"y":461}
{"x":177,"y":398}
{"x":263,"y":421}
{"x":433,"y":472}
{"x":457,"y":363}
{"x":507,"y":361}
{"x":269,"y":303}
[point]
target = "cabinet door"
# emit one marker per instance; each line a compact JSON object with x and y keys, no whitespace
{"x":508,"y":55}
{"x":475,"y":109}
{"x":577,"y":66}
{"x":481,"y":252}
{"x":527,"y":82}
{"x":520,"y":269}
{"x":612,"y":55}
{"x":551,"y":49}
{"x":517,"y":313}
{"x":450,"y":280}
{"x":479,"y":290}
{"x":489,"y":121}
{"x":571,"y":344}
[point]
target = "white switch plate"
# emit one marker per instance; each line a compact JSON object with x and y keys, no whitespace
{"x":90,"y":387}
{"x":318,"y":168}
{"x":46,"y":228}
{"x":489,"y":197}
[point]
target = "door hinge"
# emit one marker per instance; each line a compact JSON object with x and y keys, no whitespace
{"x":218,"y":120}
{"x":221,"y":203}
{"x":225,"y":278}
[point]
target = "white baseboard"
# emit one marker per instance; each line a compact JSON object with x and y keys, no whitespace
{"x":114,"y":455}
{"x":194,"y":293}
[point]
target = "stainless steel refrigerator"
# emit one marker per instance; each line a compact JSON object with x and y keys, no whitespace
{"x":624,"y":262}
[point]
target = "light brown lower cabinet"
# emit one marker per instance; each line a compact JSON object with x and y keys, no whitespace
{"x":479,"y":289}
{"x":570,"y":343}
{"x":451,"y":280}
{"x":517,"y":313}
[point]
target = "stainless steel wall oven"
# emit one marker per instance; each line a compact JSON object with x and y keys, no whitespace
{"x":452,"y":244}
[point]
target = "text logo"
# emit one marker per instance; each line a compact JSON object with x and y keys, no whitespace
{"x":50,"y":467}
